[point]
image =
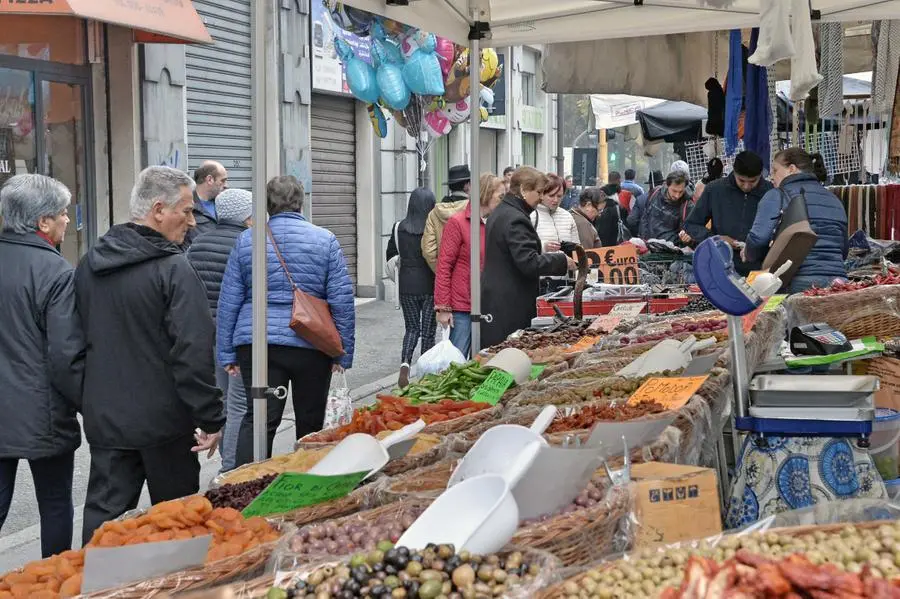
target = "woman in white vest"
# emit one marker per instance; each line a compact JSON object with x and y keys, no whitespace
{"x":554,"y":225}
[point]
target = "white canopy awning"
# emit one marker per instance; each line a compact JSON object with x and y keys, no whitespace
{"x":518,"y":22}
{"x":619,"y":110}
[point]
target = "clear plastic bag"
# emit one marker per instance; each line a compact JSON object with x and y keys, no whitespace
{"x":339,"y":409}
{"x":440,"y":357}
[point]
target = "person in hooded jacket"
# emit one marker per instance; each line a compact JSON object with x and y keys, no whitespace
{"x":416,"y":280}
{"x":513,"y":262}
{"x":209,"y":254}
{"x":453,"y":281}
{"x":663,"y":213}
{"x":41,"y":353}
{"x":316,"y":263}
{"x":729,"y":207}
{"x":210,"y":179}
{"x":796,"y":172}
{"x":149,"y":378}
{"x":458,"y":180}
{"x":586,"y":213}
{"x":611,"y":218}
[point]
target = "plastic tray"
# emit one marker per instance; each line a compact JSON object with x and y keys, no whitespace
{"x":816,"y":391}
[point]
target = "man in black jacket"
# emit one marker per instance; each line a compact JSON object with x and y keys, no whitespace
{"x":210,"y":180}
{"x":149,"y":377}
{"x":209,"y":255}
{"x":729,"y":206}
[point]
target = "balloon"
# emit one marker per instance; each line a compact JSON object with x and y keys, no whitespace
{"x":437,"y":103}
{"x":391,"y":27}
{"x":394,"y":92}
{"x":352,"y":20}
{"x":490,"y":65}
{"x":456,"y":84}
{"x":361,"y":77}
{"x":400,"y":118}
{"x":437,"y":124}
{"x":487,"y":98}
{"x":422,"y":71}
{"x":459,"y":112}
{"x":484,"y":113}
{"x":389,"y":48}
{"x":446,"y":51}
{"x":412,"y":41}
{"x":379,"y":123}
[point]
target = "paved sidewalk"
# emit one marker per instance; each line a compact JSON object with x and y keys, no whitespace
{"x":379,"y":333}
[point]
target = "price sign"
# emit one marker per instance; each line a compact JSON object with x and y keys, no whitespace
{"x":672,"y":392}
{"x":292,"y":490}
{"x":536,"y":371}
{"x":774,"y":302}
{"x":493,"y":387}
{"x":617,"y":265}
{"x":605,"y":323}
{"x":628,"y":309}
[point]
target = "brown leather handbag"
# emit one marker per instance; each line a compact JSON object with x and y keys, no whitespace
{"x":310,"y":316}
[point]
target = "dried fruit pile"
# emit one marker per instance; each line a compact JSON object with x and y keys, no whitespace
{"x":60,"y":576}
{"x":330,"y":538}
{"x":393,"y":413}
{"x":587,"y":416}
{"x":892,"y":278}
{"x":436,"y":571}
{"x":695,"y":304}
{"x":239,"y":495}
{"x":700,"y":328}
{"x":751,"y":575}
{"x":530,"y":340}
{"x":298,"y":461}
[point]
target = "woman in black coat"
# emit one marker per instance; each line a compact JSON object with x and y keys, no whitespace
{"x":513,"y":262}
{"x":416,"y":279}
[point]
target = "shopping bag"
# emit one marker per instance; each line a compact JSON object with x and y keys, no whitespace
{"x":440,"y":357}
{"x":339,"y":408}
{"x":793,"y":238}
{"x":393,"y":265}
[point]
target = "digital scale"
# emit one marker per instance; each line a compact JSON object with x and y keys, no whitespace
{"x":783,"y":405}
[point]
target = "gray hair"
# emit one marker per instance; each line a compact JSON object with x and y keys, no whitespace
{"x":157,"y":184}
{"x":26,"y":199}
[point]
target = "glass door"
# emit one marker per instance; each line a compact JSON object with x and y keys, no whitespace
{"x":18,"y":143}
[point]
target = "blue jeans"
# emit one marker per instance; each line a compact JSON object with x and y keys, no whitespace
{"x":461,"y":333}
{"x":235,"y":408}
{"x":53,"y":488}
{"x":801,"y":284}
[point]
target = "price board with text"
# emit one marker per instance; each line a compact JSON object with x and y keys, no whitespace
{"x":617,"y":265}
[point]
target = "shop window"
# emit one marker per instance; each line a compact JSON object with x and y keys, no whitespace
{"x":529,"y":149}
{"x":51,"y":38}
{"x":18,"y":149}
{"x":529,"y":89}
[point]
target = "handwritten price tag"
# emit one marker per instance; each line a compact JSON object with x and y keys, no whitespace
{"x":628,"y":309}
{"x":292,"y":490}
{"x":537,"y":370}
{"x":671,"y":392}
{"x":605,"y":323}
{"x":493,"y":387}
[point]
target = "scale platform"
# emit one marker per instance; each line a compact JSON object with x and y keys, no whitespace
{"x":811,"y":406}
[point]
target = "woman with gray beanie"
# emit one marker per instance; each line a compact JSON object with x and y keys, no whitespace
{"x":209,"y":255}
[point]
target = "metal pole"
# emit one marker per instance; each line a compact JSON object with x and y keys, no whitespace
{"x":259,"y":143}
{"x":474,"y":186}
{"x":740,"y":380}
{"x":560,"y":148}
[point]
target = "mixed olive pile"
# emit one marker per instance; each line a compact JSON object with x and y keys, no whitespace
{"x":396,"y":573}
{"x":647,"y":573}
{"x":330,"y":538}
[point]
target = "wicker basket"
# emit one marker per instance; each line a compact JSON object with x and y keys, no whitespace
{"x":359,"y":499}
{"x":523,"y":416}
{"x":247,"y":565}
{"x":870,"y":311}
{"x":425,"y":483}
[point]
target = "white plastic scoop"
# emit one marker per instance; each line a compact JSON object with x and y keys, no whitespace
{"x":499,"y":447}
{"x":479,"y":514}
{"x":668,"y":354}
{"x":359,"y":452}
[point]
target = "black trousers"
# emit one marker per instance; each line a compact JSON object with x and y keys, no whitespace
{"x":53,"y":489}
{"x":117,"y":477}
{"x":309,"y":373}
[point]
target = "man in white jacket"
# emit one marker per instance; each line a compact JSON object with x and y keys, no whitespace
{"x":554,"y":226}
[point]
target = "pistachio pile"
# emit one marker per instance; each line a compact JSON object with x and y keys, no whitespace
{"x":398,"y":573}
{"x":648,"y":572}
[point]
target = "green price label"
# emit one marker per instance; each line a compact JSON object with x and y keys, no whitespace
{"x":292,"y":490}
{"x":493,"y":387}
{"x":536,"y":371}
{"x":774,"y":302}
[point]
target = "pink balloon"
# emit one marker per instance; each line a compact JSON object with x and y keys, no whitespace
{"x":446,"y":53}
{"x":437,"y":124}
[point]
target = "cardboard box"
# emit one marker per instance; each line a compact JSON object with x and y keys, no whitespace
{"x":675,"y":503}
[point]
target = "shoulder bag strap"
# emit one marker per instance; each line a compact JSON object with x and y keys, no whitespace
{"x":396,"y":236}
{"x":280,"y":258}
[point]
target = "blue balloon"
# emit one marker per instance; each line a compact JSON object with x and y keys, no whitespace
{"x":422,"y":71}
{"x":361,"y":77}
{"x":394,"y":91}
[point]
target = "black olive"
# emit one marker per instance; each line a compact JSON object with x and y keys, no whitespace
{"x":391,"y":555}
{"x":378,"y":589}
{"x":390,"y":569}
{"x":412,"y":587}
{"x":431,"y":546}
{"x":417,"y":557}
{"x":360,"y":576}
{"x":404,"y":551}
{"x":352,"y":585}
{"x":401,"y":562}
{"x":379,"y":567}
{"x":452,"y":564}
{"x":347,"y":595}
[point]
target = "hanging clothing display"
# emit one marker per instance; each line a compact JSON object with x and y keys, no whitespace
{"x":775,"y":41}
{"x":831,"y":66}
{"x":874,"y":209}
{"x":734,"y":91}
{"x":758,"y":119}
{"x":886,"y":41}
{"x":875,"y":149}
{"x":894,"y":144}
{"x":804,"y":76}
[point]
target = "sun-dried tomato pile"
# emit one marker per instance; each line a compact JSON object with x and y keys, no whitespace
{"x":749,"y":575}
{"x":588,"y":415}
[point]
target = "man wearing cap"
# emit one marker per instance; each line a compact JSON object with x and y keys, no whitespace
{"x":209,"y":255}
{"x":458,"y":182}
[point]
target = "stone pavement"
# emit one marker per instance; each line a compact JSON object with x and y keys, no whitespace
{"x":379,"y":333}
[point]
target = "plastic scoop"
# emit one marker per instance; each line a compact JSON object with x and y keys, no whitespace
{"x":668,"y":354}
{"x":499,"y":447}
{"x":479,"y":514}
{"x":359,"y":452}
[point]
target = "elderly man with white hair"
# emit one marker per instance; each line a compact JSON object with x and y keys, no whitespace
{"x":41,"y":353}
{"x":149,"y":372}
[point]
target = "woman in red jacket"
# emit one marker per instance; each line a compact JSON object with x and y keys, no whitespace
{"x":452,"y":284}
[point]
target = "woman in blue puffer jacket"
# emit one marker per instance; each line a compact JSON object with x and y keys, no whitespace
{"x":794,"y":170}
{"x":317,"y":266}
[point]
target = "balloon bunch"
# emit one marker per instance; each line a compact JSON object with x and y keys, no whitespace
{"x":421,"y":79}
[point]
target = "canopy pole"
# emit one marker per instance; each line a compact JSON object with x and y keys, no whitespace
{"x":262,"y":10}
{"x":476,"y":33}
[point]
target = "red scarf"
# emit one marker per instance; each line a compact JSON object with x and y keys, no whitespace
{"x":46,"y":238}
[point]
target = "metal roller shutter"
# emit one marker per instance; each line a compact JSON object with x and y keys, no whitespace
{"x":219,"y":91}
{"x":333,"y":132}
